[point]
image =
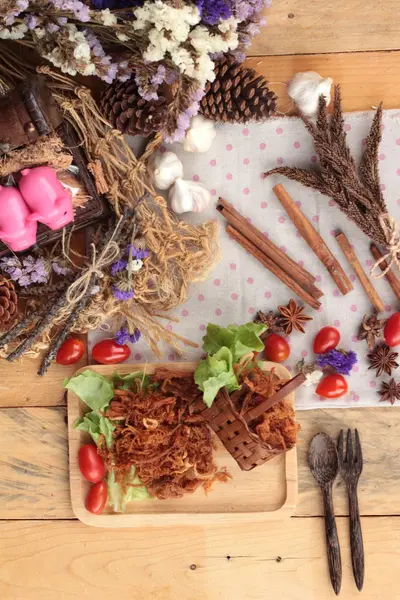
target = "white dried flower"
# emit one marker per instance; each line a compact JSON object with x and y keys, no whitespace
{"x":16,"y":32}
{"x":107,"y":17}
{"x":40,"y":32}
{"x":122,"y":37}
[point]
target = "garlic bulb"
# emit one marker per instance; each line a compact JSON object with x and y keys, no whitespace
{"x":164,"y":168}
{"x":188,"y":196}
{"x":305,"y":90}
{"x":200,"y":135}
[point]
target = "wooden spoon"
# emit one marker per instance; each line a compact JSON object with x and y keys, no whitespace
{"x":323,"y":463}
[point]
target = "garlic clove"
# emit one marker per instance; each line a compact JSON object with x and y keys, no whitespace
{"x":188,"y":196}
{"x":164,"y":168}
{"x":200,"y":135}
{"x":305,"y":89}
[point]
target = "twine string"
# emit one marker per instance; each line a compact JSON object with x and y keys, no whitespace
{"x":392,"y":235}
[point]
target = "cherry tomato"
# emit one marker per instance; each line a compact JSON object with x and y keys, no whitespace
{"x":276,"y":348}
{"x":326,"y":339}
{"x":332,"y":386}
{"x":97,"y":498}
{"x":108,"y":352}
{"x":91,"y":464}
{"x":70,"y":352}
{"x":391,"y":332}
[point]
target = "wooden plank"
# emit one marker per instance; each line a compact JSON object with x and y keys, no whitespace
{"x":298,"y":27}
{"x":21,"y":386}
{"x":34,"y":475}
{"x":41,"y":561}
{"x":365,"y":78}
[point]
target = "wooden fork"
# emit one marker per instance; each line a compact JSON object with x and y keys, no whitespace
{"x":351,"y":466}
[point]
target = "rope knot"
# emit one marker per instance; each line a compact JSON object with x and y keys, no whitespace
{"x":392,"y":236}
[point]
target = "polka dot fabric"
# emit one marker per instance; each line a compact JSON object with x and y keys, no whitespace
{"x":239,"y":286}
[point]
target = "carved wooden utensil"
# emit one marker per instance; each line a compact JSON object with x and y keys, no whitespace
{"x":351,"y":465}
{"x":323,"y":463}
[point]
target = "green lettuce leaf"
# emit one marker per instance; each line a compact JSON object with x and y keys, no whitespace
{"x":96,"y":425}
{"x":214,"y":373}
{"x":240,"y":339}
{"x":116,"y":497}
{"x":94,"y":389}
{"x":142,"y":381}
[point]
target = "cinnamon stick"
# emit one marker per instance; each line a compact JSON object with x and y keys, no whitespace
{"x":359,"y":271}
{"x":260,"y":240}
{"x":273,"y":267}
{"x":289,"y":387}
{"x":391,"y":278}
{"x":314,"y":240}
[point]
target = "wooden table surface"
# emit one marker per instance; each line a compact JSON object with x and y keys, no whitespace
{"x":46,"y":553}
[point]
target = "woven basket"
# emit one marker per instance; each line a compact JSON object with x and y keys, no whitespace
{"x":233,"y":429}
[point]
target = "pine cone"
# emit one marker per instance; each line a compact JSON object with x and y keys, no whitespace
{"x":8,"y":302}
{"x":127,"y":111}
{"x":237,"y":95}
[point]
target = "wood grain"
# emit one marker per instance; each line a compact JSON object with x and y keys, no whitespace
{"x":299,"y":27}
{"x":34,"y":476}
{"x":66,"y":560}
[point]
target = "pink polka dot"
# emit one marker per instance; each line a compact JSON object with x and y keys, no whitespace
{"x":279,"y":131}
{"x":320,"y":309}
{"x":296,"y":145}
{"x":332,"y":232}
{"x":202,"y":327}
{"x":251,"y":310}
{"x":355,"y":369}
{"x":352,"y":278}
{"x":331,"y":203}
{"x":298,"y":234}
{"x":263,"y":176}
{"x":398,"y":202}
{"x":213,"y":192}
{"x":298,"y":203}
{"x":267,"y":295}
{"x":163,"y":149}
{"x":355,"y":397}
{"x":281,"y":219}
{"x":283,"y":248}
{"x":185,"y":313}
{"x":263,"y":146}
{"x":229,"y":176}
{"x":245,"y":131}
{"x":138,"y":356}
{"x":382,"y":156}
{"x":388,"y":308}
{"x":314,"y":158}
{"x":234,"y":296}
{"x":318,"y":278}
{"x":336,"y":293}
{"x":372,"y":384}
{"x":264,"y":204}
{"x":354,"y":338}
{"x":218,"y":312}
{"x":304,"y":353}
{"x":368,"y":263}
{"x":300,"y":262}
{"x":353,"y":308}
{"x":248,"y":219}
{"x":279,"y":160}
{"x":213,"y":162}
{"x":229,"y":147}
{"x":382,"y":187}
{"x":398,"y":172}
{"x":169,"y":327}
{"x":217,"y":282}
{"x":200,"y":297}
{"x":336,"y":323}
{"x":347,"y":127}
{"x":246,"y":161}
{"x":246,"y":191}
{"x":232,"y":266}
{"x":363,"y":141}
{"x":383,"y":127}
{"x":196,"y":178}
{"x":266,"y":234}
{"x":250,"y":280}
{"x":315,"y":218}
{"x":171,"y":357}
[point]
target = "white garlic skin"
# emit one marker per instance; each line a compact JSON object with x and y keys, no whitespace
{"x":164,"y":168}
{"x":200,"y":135}
{"x":188,"y":196}
{"x":305,"y":89}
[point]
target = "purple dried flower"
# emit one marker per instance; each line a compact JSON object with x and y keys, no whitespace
{"x":123,"y":336}
{"x":139,"y":253}
{"x":24,"y":281}
{"x":118,"y":266}
{"x":339,"y":360}
{"x":59,"y":269}
{"x":213,"y":10}
{"x":31,"y":21}
{"x":52,"y":28}
{"x":31,"y":270}
{"x":121,"y":294}
{"x":159,"y":76}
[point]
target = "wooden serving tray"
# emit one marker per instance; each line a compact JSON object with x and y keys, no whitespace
{"x":264,"y":493}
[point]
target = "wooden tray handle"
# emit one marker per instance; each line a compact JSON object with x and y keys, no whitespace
{"x":284,"y":391}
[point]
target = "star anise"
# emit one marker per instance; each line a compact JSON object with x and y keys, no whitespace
{"x":270,"y":320}
{"x":371,"y":328}
{"x":390,"y":391}
{"x":383,"y":359}
{"x":293,"y":317}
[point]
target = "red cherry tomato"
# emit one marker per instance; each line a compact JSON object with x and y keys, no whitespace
{"x":97,"y":498}
{"x":276,"y":348}
{"x":391,"y":332}
{"x":91,"y":464}
{"x":326,"y":339}
{"x":108,"y":352}
{"x":332,"y":386}
{"x":70,"y":352}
